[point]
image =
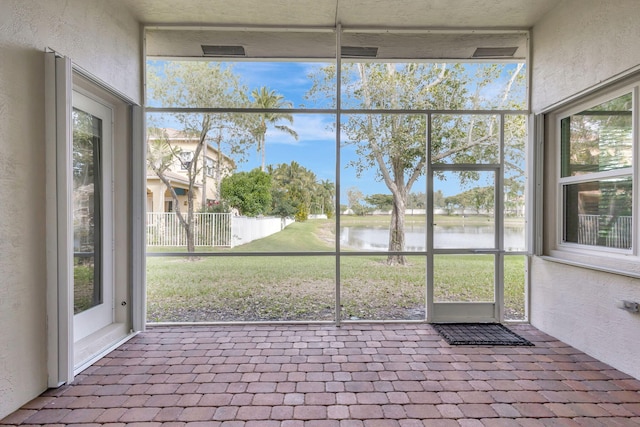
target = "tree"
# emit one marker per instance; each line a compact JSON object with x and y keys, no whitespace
{"x":197,"y":84}
{"x":160,"y":157}
{"x":458,"y":201}
{"x":249,"y":192}
{"x":296,"y":187}
{"x":480,"y":198}
{"x":438,"y":199}
{"x":394,"y":144}
{"x":270,"y":99}
{"x":381,"y":202}
{"x":355,"y":197}
{"x":282,"y":205}
{"x":324,"y":197}
{"x":417,"y":200}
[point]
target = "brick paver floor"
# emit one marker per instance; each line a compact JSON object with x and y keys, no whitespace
{"x":357,"y":375}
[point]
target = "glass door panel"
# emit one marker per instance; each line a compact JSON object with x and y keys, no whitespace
{"x":91,"y":206}
{"x":87,"y":211}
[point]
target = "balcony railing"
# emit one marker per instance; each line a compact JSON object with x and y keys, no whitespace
{"x":617,"y":233}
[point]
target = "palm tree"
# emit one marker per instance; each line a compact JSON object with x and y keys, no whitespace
{"x":270,"y":99}
{"x":326,"y":191}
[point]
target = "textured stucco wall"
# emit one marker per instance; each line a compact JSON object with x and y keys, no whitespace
{"x":581,"y":308}
{"x":580,"y":44}
{"x":575,"y":47}
{"x":102,"y":38}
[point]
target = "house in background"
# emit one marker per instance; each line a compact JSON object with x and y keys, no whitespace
{"x":582,"y":54}
{"x":208,"y":174}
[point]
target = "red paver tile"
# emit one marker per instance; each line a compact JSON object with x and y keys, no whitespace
{"x":477,"y":410}
{"x":533,"y":410}
{"x":18,"y":416}
{"x":47,"y":416}
{"x":338,"y":412}
{"x":381,"y":423}
{"x":362,"y":412}
{"x":467,"y":422}
{"x":475,"y":397}
{"x":355,"y":376}
{"x":111,"y":415}
{"x":616,"y":410}
{"x":310,"y":387}
{"x":309,"y":412}
{"x":449,"y":411}
{"x":242,"y":399}
{"x":422,"y":411}
{"x":261,"y":387}
{"x":77,"y":416}
{"x":39,"y":402}
{"x":372,"y":398}
{"x":634,"y":408}
{"x":79,"y":402}
{"x":161,"y":400}
{"x":168,"y":414}
{"x":320,"y":399}
{"x":225,"y":413}
{"x":135,"y":401}
{"x":198,"y":413}
{"x":449,"y":397}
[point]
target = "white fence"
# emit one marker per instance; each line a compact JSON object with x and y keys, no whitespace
{"x":210,"y":229}
{"x":618,"y":233}
{"x":245,"y":229}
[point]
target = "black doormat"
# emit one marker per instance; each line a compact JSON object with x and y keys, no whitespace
{"x":479,"y":334}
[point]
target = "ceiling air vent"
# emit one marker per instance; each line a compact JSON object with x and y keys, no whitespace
{"x":495,"y":52}
{"x":359,"y":52}
{"x":223,"y":51}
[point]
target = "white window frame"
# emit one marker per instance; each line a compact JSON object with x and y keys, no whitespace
{"x":210,"y":166}
{"x":613,"y":259}
{"x":186,"y":157}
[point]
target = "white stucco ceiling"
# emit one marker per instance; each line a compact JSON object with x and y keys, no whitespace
{"x":349,"y":13}
{"x":446,"y":29}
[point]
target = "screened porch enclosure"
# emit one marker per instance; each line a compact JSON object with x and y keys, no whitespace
{"x":398,"y":182}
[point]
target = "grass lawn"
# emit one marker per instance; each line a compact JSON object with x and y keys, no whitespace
{"x":250,"y":288}
{"x":82,"y":287}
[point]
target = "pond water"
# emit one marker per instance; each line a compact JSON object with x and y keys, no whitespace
{"x":445,"y":237}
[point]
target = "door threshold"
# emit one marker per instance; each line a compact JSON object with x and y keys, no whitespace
{"x":95,"y":346}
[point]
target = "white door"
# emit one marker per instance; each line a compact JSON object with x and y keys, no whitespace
{"x":93,"y":299}
{"x":464,"y":267}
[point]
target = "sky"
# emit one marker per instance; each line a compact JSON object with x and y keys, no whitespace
{"x":314,"y":148}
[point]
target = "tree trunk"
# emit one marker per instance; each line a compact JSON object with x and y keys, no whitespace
{"x":396,"y":231}
{"x":203,"y":202}
{"x":192,"y":172}
{"x":191,"y":247}
{"x":264,"y":155}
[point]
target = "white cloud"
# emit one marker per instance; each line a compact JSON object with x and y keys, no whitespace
{"x":310,"y":128}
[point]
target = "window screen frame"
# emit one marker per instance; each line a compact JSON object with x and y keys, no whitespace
{"x":561,"y":183}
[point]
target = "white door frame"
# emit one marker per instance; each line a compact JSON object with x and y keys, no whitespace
{"x":59,"y":72}
{"x":468,"y":311}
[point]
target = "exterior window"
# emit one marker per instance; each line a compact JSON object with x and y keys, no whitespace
{"x":186,"y":157}
{"x":596,"y":175}
{"x":209,"y":164}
